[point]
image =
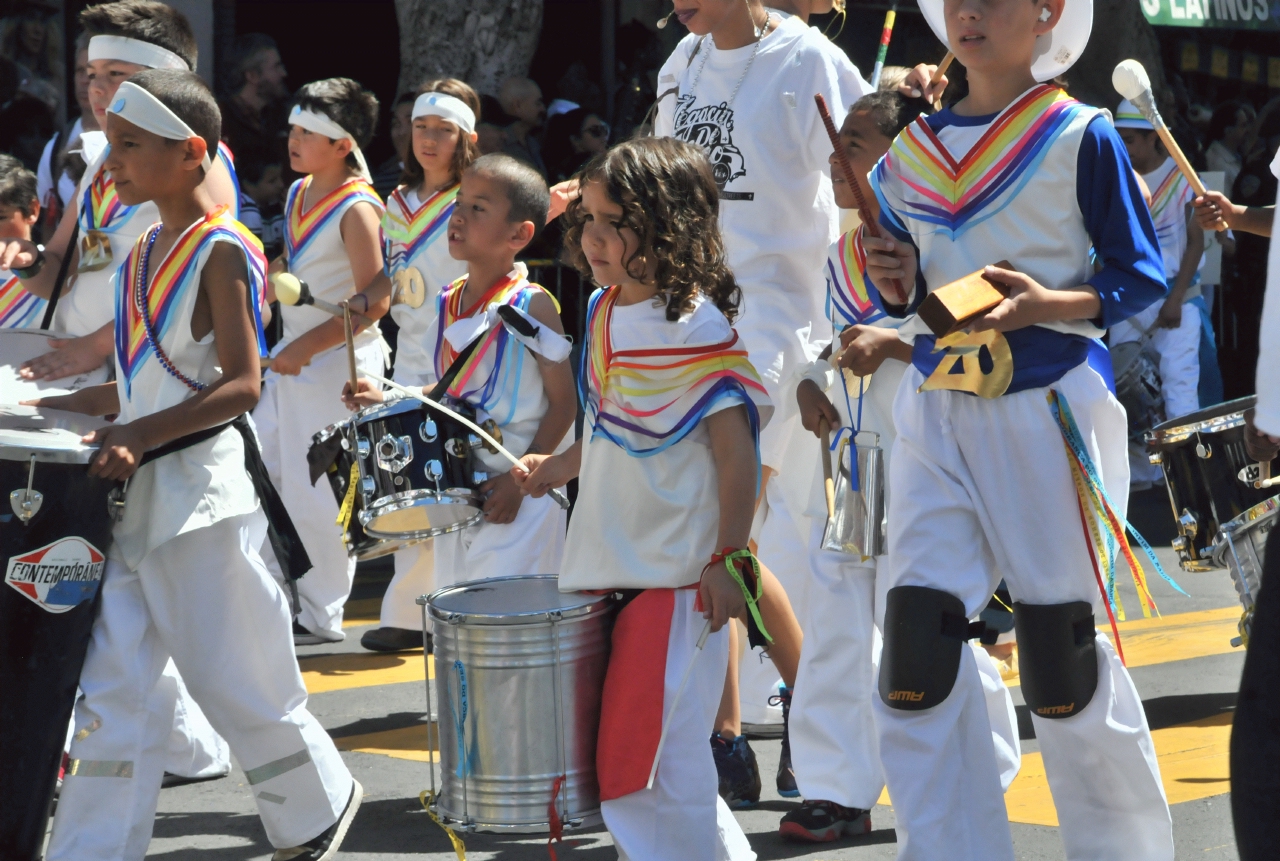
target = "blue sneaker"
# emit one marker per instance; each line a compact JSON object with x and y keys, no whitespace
{"x":786,"y":779}
{"x":738,"y":771}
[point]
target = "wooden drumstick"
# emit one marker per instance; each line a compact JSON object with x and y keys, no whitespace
{"x":828,"y":483}
{"x":937,"y":76}
{"x":864,"y":211}
{"x":351,"y":346}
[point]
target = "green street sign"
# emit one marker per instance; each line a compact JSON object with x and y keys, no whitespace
{"x":1228,"y":14}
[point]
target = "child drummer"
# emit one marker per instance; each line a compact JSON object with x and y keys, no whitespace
{"x":668,"y":476}
{"x":523,"y":384}
{"x":19,"y":211}
{"x":995,"y":426}
{"x":184,"y":578}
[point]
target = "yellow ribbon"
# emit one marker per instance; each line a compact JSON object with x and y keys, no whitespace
{"x":348,"y":501}
{"x":427,"y":798}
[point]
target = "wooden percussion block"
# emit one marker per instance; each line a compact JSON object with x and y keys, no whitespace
{"x":953,"y":306}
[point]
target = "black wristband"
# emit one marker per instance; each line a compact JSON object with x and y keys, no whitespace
{"x":34,"y":269}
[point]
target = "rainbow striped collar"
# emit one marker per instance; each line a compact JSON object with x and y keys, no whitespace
{"x":1173,"y":188}
{"x":18,"y":308}
{"x":851,"y":297}
{"x":301,"y":227}
{"x":100,"y":208}
{"x":920,"y":179}
{"x":408,"y":232}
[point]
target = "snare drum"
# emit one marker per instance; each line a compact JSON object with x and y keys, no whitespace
{"x":1241,"y":548}
{"x":1202,"y":455}
{"x":19,"y":345}
{"x":520,"y":670}
{"x":418,"y":475}
{"x":1137,"y":387}
{"x":55,"y":531}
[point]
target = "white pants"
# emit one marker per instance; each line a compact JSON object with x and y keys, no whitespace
{"x":1179,"y":351}
{"x":290,"y":411}
{"x":533,"y":543}
{"x":834,"y":749}
{"x":414,"y":577}
{"x":206,"y":600}
{"x":195,"y":749}
{"x":683,"y":818}
{"x":980,"y":487}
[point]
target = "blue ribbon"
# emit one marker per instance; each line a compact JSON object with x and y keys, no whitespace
{"x":460,"y":721}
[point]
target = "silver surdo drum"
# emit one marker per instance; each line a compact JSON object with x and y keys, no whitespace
{"x":1241,"y":548}
{"x":519,"y":673}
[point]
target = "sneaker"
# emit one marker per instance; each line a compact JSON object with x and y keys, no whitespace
{"x":824,"y":821}
{"x":326,"y":846}
{"x":738,"y":771}
{"x":393,"y":640}
{"x":171,"y":780}
{"x":306,"y":637}
{"x":786,"y":778}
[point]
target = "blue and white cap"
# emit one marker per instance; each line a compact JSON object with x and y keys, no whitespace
{"x":1129,"y":117}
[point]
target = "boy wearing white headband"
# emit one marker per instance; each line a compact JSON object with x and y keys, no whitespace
{"x":1010,"y":454}
{"x":184,"y":577}
{"x":332,"y":243}
{"x":418,"y":265}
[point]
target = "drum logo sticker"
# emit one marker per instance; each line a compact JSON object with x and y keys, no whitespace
{"x":58,"y":576}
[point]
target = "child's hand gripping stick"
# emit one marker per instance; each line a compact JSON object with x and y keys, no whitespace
{"x":864,"y":211}
{"x":290,"y":290}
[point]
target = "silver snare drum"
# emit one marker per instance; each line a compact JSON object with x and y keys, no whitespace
{"x":1241,"y":548}
{"x":519,"y":670}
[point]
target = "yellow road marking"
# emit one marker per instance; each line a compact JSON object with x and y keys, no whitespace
{"x":361,"y":670}
{"x":406,"y":743}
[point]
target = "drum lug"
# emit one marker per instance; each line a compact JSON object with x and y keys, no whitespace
{"x":427,"y":431}
{"x":1181,"y":546}
{"x":26,"y":503}
{"x":433,"y":470}
{"x":1187,"y":524}
{"x":116,"y":501}
{"x":460,"y":448}
{"x":1156,"y":458}
{"x":395,"y":453}
{"x":1204,"y":452}
{"x":362,"y":448}
{"x":367,"y":487}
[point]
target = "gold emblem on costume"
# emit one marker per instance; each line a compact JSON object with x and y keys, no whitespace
{"x":980,"y":363}
{"x":409,"y":288}
{"x":95,"y":251}
{"x":491,"y":428}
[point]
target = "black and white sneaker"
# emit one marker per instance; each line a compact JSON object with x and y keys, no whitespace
{"x":824,"y":821}
{"x":326,"y":846}
{"x":303,"y":636}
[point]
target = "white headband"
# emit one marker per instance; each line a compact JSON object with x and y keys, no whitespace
{"x":323,"y":125}
{"x":135,"y":51}
{"x":148,"y":113}
{"x":446,"y":107}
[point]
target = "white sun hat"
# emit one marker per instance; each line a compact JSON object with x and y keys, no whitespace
{"x":1129,"y":117}
{"x":1056,"y":51}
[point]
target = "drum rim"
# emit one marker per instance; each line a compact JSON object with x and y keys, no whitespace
{"x":383,"y":547}
{"x":1268,"y":509}
{"x":45,"y":451}
{"x":414,"y":499}
{"x":1214,"y":419}
{"x":598,"y":603}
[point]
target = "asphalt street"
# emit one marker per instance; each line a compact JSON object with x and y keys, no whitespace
{"x":375,"y":706}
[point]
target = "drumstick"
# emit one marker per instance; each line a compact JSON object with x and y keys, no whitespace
{"x":559,"y":497}
{"x":828,"y":482}
{"x":675,"y":701}
{"x":351,"y":347}
{"x":864,"y":211}
{"x":937,"y":76}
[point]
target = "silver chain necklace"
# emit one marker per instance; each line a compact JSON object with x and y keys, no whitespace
{"x":760,"y":34}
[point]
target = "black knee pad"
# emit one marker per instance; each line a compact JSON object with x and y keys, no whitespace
{"x":1057,"y":656}
{"x":924,"y":631}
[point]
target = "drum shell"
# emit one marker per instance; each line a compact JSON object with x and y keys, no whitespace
{"x":1205,"y":492}
{"x":359,"y":545}
{"x":41,"y":652}
{"x":1241,"y":548}
{"x":518,"y":693}
{"x":439,"y":506}
{"x":1137,"y":387}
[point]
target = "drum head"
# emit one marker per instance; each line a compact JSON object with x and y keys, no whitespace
{"x":420,"y":514}
{"x":510,"y":601}
{"x":51,"y":436}
{"x":19,"y":345}
{"x":1212,"y":419}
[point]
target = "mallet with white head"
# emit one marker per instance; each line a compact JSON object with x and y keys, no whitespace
{"x":290,"y":290}
{"x":1131,"y":81}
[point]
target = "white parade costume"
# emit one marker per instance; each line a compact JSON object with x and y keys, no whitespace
{"x":294,"y":408}
{"x":502,"y":381}
{"x":18,"y":308}
{"x":993,"y":431}
{"x":647,"y":383}
{"x":416,"y":251}
{"x":184,"y":580}
{"x":752,"y":110}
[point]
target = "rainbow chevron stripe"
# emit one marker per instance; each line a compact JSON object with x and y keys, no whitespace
{"x":302,"y":227}
{"x":100,"y":207}
{"x":955,"y":195}
{"x":646,"y":401}
{"x":851,"y":298}
{"x":18,"y":308}
{"x":406,"y":233}
{"x":1168,"y":202}
{"x":171,"y":280}
{"x":496,"y":365}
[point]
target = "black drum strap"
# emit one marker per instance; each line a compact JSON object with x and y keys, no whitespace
{"x":61,"y":279}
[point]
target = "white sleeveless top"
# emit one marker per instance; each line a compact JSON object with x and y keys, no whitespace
{"x":207,"y":482}
{"x":416,"y":248}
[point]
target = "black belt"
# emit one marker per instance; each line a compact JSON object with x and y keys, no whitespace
{"x":283,"y":535}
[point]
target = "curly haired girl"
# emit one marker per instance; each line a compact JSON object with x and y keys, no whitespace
{"x":668,"y":470}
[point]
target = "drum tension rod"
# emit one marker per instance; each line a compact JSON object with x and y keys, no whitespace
{"x":26,"y":503}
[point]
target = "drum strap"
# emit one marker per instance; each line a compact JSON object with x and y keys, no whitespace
{"x":281,"y":532}
{"x":62,"y":277}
